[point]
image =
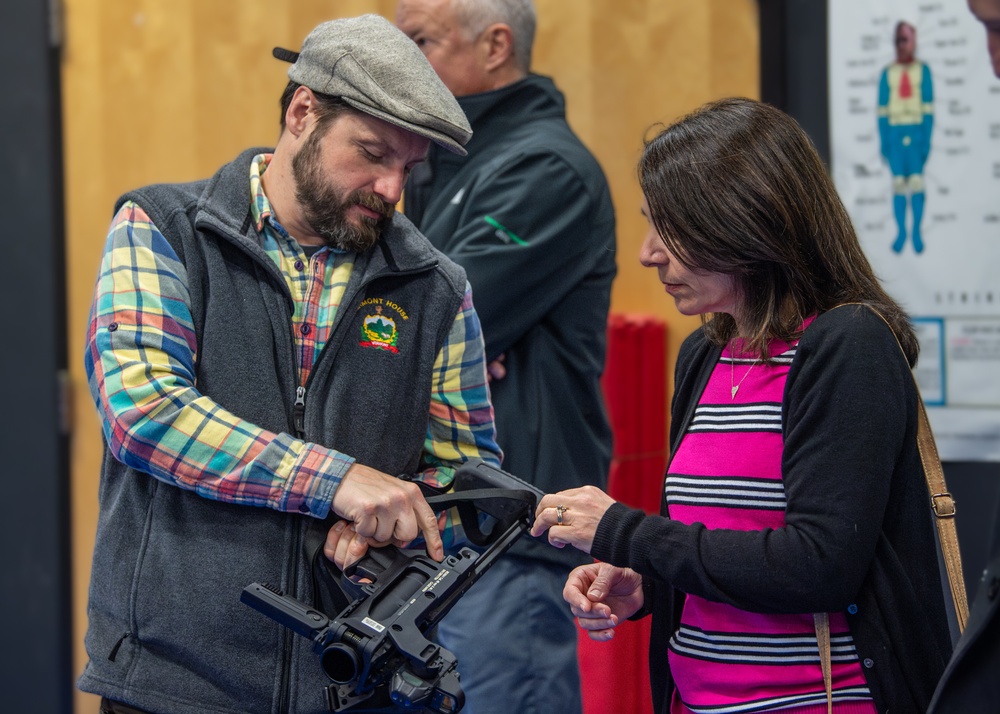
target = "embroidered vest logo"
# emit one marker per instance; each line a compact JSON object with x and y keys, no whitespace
{"x":379,"y":330}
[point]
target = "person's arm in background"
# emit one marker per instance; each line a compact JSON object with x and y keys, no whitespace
{"x":524,"y":245}
{"x":461,"y":415}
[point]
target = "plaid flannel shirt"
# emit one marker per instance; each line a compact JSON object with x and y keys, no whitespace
{"x":156,"y":421}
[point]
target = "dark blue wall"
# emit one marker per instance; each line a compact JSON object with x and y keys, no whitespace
{"x":36,"y":638}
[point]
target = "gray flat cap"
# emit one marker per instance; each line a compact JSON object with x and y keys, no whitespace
{"x":378,"y":70}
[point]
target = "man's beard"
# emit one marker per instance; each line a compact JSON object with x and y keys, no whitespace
{"x":326,"y":211}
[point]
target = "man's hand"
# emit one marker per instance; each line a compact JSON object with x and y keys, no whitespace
{"x":496,"y":370}
{"x":344,"y":546}
{"x":379,"y":509}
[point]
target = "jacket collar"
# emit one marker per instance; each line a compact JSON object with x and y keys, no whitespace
{"x":497,"y":112}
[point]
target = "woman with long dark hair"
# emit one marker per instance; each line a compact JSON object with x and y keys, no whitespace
{"x":795,"y":508}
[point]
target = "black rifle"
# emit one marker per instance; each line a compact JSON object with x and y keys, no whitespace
{"x":375,"y":651}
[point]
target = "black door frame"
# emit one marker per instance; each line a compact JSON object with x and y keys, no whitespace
{"x":37,"y":637}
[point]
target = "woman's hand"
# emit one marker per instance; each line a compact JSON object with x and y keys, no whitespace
{"x":571,"y":517}
{"x":601,"y":595}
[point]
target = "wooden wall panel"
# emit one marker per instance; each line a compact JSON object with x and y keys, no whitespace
{"x":168,"y":91}
{"x":626,"y":66}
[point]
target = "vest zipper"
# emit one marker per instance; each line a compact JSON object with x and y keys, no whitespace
{"x":298,"y":418}
{"x":300,"y":412}
{"x":287,"y":641}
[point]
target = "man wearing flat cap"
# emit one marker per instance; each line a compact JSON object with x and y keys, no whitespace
{"x":268,"y":349}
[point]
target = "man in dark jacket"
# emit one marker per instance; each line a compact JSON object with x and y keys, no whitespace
{"x":970,"y":683}
{"x":528,"y":215}
{"x":268,"y":350}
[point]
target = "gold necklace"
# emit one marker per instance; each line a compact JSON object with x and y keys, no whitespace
{"x":732,"y":378}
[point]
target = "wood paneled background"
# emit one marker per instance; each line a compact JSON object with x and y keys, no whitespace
{"x":168,"y":91}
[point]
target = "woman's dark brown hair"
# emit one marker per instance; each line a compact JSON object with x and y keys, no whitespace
{"x":736,"y":187}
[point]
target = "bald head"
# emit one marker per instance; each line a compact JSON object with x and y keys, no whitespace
{"x":474,"y":16}
{"x":474,"y":45}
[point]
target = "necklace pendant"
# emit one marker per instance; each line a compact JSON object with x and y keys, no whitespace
{"x":735,"y":389}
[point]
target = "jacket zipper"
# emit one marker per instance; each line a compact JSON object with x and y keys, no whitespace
{"x":298,"y":422}
{"x":287,"y":644}
{"x":299,"y":409}
{"x":298,"y":418}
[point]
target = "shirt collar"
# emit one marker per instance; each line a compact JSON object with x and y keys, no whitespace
{"x":260,"y":207}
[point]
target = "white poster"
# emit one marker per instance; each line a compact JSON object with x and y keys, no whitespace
{"x":915,"y":153}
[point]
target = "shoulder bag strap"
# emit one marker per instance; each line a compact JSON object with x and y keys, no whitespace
{"x":821,"y":620}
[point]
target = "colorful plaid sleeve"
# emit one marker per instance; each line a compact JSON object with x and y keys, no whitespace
{"x":140,"y":365}
{"x":461,"y":423}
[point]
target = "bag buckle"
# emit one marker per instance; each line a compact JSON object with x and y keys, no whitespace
{"x":943,"y":505}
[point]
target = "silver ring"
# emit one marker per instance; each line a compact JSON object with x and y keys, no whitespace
{"x":560,"y":510}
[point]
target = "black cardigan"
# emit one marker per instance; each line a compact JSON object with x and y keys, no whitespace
{"x":858,"y":537}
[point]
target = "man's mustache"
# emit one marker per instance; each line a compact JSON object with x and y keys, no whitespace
{"x":372,"y":202}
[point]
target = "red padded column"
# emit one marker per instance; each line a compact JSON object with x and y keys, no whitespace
{"x":616,"y":673}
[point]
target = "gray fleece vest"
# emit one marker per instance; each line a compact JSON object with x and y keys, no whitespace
{"x":167,"y":632}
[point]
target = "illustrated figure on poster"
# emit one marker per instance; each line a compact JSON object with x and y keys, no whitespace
{"x":905,"y":122}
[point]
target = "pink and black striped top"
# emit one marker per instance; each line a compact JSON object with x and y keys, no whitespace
{"x":726,"y":474}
